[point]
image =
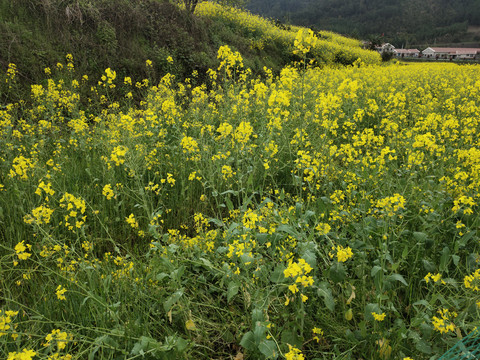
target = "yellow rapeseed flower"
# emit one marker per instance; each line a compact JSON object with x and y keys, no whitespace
{"x":60,"y":291}
{"x":132,"y":221}
{"x":294,"y":353}
{"x":378,"y":317}
{"x":472,"y":281}
{"x":25,"y":354}
{"x":343,"y":254}
{"x":444,"y":323}
{"x":107,"y":191}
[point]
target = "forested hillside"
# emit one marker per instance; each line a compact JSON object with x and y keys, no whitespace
{"x":400,"y":21}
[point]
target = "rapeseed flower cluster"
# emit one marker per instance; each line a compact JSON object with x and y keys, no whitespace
{"x":304,"y":41}
{"x":317,"y":332}
{"x":22,"y":166}
{"x":22,"y":251}
{"x":230,"y":61}
{"x":118,"y":155}
{"x":45,"y":188}
{"x":472,"y":281}
{"x":434,"y":277}
{"x":6,"y":321}
{"x":444,"y":323}
{"x":75,"y":207}
{"x":379,"y":317}
{"x":108,"y":78}
{"x":58,"y":338}
{"x":25,"y":354}
{"x":294,"y":353}
{"x":299,"y":272}
{"x":60,"y":292}
{"x":11,"y":72}
{"x":390,"y":205}
{"x":107,"y":191}
{"x":342,"y":253}
{"x":40,"y":215}
{"x":132,"y":221}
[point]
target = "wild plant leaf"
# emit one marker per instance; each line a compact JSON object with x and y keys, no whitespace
{"x":172,"y":300}
{"x":233,"y":288}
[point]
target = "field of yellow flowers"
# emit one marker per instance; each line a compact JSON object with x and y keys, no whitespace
{"x":324,"y":213}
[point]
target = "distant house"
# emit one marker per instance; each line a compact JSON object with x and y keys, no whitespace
{"x":385,"y":48}
{"x":451,"y":53}
{"x":406,"y":52}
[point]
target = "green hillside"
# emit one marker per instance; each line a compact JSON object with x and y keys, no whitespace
{"x":123,"y":34}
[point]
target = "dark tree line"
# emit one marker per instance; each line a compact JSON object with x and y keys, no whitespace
{"x":410,"y":20}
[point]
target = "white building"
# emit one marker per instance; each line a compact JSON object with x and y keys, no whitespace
{"x":386,"y":47}
{"x":451,"y":53}
{"x":406,"y":53}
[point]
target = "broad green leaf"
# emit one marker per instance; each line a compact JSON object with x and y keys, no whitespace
{"x":91,"y":355}
{"x":397,"y":277}
{"x":325,"y":291}
{"x":277,"y":274}
{"x":455,"y":259}
{"x":181,"y":344}
{"x":145,"y":344}
{"x":291,"y":337}
{"x":250,"y":180}
{"x":167,"y":305}
{"x":428,"y":266}
{"x":177,"y":274}
{"x":423,"y":347}
{"x":444,"y":260}
{"x":262,"y":238}
{"x":246,"y":258}
{"x":259,"y":334}
{"x":269,"y":349}
{"x":462,"y":242}
{"x":233,"y":288}
{"x":290,"y":231}
{"x":337,"y":272}
{"x":207,"y":263}
{"x":307,"y":252}
{"x":217,"y":222}
{"x":248,"y":341}
{"x":310,"y":258}
{"x":99,"y":342}
{"x":422,"y":302}
{"x":375,"y":270}
{"x":229,"y":204}
{"x":257,"y":315}
{"x":420,"y":237}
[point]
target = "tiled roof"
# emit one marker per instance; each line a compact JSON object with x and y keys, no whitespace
{"x":456,"y":50}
